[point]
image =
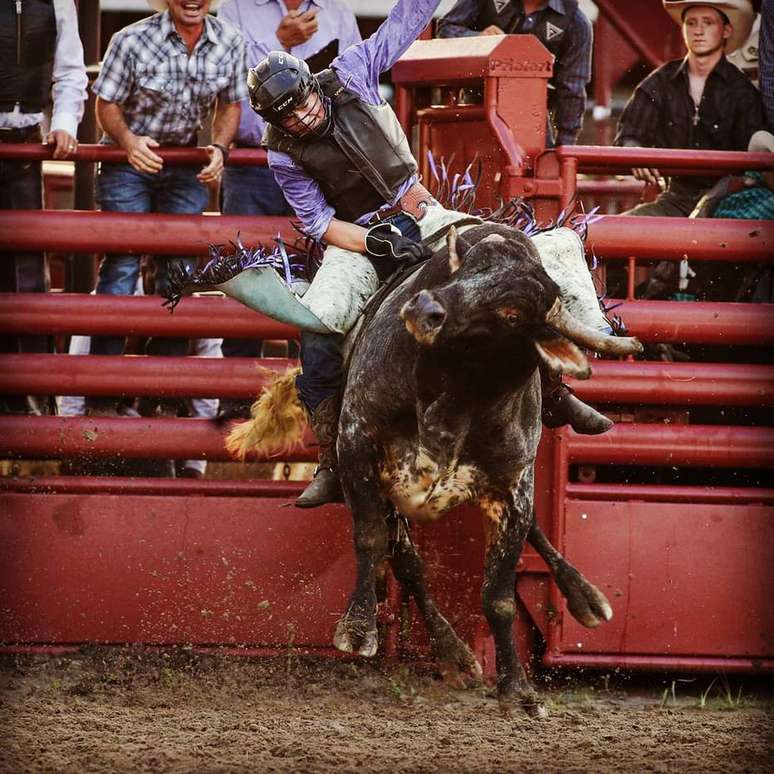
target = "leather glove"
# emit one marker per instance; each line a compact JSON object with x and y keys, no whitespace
{"x":385,"y":241}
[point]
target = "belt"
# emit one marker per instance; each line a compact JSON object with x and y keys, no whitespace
{"x":414,"y":202}
{"x":21,"y":134}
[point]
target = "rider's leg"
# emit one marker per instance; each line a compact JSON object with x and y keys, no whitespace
{"x":319,"y":387}
{"x":561,"y":407}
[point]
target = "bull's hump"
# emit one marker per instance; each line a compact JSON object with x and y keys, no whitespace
{"x":422,"y":489}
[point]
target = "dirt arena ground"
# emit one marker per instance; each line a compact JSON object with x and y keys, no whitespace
{"x":138,"y":711}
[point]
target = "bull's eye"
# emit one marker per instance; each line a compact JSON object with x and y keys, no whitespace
{"x":509,"y":314}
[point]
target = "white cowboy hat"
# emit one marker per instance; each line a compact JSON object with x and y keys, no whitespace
{"x":740,"y":14}
{"x":761,"y":142}
{"x":161,"y":5}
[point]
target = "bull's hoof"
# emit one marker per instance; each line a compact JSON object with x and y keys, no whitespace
{"x":586,"y":603}
{"x":532,"y":706}
{"x":458,"y":666}
{"x":355,"y":636}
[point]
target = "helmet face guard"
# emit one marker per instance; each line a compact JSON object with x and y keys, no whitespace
{"x":285,"y":94}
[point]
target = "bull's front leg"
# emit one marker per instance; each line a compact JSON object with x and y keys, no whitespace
{"x":507,"y":522}
{"x":356,"y":631}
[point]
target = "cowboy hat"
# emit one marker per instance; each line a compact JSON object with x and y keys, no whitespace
{"x":761,"y":142}
{"x":739,"y":12}
{"x":161,"y":5}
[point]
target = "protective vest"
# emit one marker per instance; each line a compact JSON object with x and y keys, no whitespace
{"x":361,"y":162}
{"x":27,"y":46}
{"x":550,"y":30}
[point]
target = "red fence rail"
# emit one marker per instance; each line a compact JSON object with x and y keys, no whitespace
{"x":632,"y":444}
{"x":114,"y":155}
{"x":613,"y":382}
{"x":598,"y":159}
{"x":200,"y":317}
{"x":609,"y":236}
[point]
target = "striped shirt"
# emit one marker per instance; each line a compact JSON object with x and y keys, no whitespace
{"x":164,"y":93}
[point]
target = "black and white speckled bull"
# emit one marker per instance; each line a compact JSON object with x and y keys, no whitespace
{"x":441,"y":408}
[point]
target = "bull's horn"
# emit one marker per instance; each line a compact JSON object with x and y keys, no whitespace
{"x":451,"y":244}
{"x":587,"y":337}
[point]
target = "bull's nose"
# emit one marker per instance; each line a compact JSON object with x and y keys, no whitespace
{"x":430,"y":310}
{"x":424,"y":316}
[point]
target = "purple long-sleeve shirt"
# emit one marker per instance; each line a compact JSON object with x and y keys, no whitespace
{"x":358,"y":68}
{"x":258,"y":20}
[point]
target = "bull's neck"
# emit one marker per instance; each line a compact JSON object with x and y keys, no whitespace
{"x":478,"y":369}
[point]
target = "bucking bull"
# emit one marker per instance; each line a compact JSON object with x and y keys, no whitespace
{"x":442,"y":407}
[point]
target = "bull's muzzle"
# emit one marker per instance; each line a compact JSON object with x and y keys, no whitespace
{"x":424,"y":317}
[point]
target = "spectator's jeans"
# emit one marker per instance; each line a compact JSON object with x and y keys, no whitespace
{"x":21,"y":189}
{"x":250,"y":191}
{"x":677,"y":201}
{"x":121,"y":188}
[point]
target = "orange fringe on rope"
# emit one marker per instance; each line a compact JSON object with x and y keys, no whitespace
{"x":278,"y":420}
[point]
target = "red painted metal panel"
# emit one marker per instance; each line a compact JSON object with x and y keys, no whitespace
{"x":692,"y":581}
{"x":670,"y":493}
{"x":166,"y":570}
{"x":645,"y":27}
{"x":68,"y":231}
{"x":666,"y":663}
{"x":432,"y":62}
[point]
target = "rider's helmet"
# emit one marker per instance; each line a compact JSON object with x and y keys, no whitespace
{"x":285,"y":93}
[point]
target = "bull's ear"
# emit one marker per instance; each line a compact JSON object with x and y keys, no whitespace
{"x":451,"y":244}
{"x":562,"y":356}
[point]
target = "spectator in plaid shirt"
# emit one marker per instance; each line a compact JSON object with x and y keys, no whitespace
{"x":161,"y":78}
{"x":559,"y":25}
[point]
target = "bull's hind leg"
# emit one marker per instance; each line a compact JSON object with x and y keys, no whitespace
{"x":454,"y":657}
{"x":356,"y":630}
{"x":507,"y":524}
{"x":586,"y":603}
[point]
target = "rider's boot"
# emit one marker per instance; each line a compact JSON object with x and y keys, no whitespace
{"x":324,"y":487}
{"x":561,"y":407}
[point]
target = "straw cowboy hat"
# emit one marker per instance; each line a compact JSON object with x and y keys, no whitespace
{"x":740,"y":14}
{"x":161,"y":5}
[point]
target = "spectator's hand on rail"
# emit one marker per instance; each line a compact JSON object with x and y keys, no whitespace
{"x":492,"y":29}
{"x":648,"y":175}
{"x":297,"y":27}
{"x":140,"y":155}
{"x":214,"y":169}
{"x":64,"y":143}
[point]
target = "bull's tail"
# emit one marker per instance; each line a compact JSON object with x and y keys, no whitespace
{"x":277,"y":422}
